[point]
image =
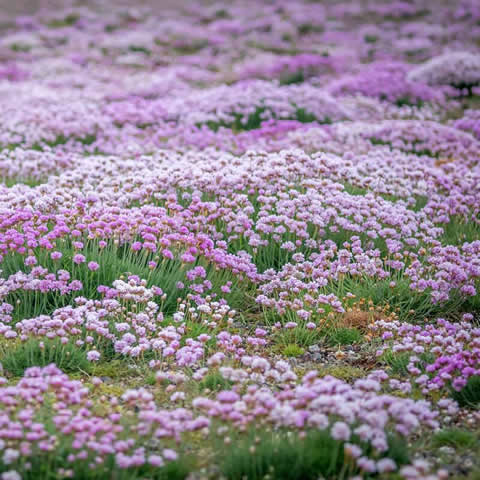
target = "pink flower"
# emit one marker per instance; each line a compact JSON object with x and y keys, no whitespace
{"x":341,"y":431}
{"x":93,"y":356}
{"x":78,"y":258}
{"x":170,"y":454}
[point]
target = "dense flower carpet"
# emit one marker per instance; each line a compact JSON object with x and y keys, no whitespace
{"x":240,"y":240}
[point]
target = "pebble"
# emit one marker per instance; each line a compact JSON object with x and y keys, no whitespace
{"x":446,"y":450}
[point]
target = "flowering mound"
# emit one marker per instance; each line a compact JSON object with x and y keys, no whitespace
{"x":458,"y":69}
{"x":240,"y":240}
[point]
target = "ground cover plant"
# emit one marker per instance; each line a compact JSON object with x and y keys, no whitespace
{"x":240,"y":240}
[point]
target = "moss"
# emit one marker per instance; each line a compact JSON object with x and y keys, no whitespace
{"x":113,"y":369}
{"x":343,"y":372}
{"x":292,"y":350}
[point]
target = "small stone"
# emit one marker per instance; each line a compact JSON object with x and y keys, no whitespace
{"x":314,"y":348}
{"x":447,"y":450}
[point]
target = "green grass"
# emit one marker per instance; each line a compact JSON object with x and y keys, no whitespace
{"x":460,"y":230}
{"x":282,"y":455}
{"x":68,"y":21}
{"x":30,"y":182}
{"x":255,"y":120}
{"x":292,"y":78}
{"x":469,"y":396}
{"x":397,"y":361}
{"x":43,"y":468}
{"x":68,"y":357}
{"x":292,"y":350}
{"x":215,"y":382}
{"x":114,"y":262}
{"x":410,"y":305}
{"x":454,"y":437}
{"x":343,"y":336}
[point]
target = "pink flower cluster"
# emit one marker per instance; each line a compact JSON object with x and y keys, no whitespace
{"x":453,"y":351}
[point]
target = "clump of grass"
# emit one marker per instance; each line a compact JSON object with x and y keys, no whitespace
{"x":397,"y":362}
{"x":454,"y":437}
{"x":30,"y":182}
{"x":292,"y":350}
{"x":460,"y":230}
{"x":291,"y":78}
{"x":215,"y":382}
{"x":40,"y":468}
{"x":139,"y":49}
{"x":343,"y":336}
{"x":281,"y":455}
{"x":35,"y":353}
{"x":409,"y":305}
{"x":255,"y":119}
{"x":469,"y":395}
{"x":68,"y":21}
{"x":301,"y":336}
{"x":114,"y":261}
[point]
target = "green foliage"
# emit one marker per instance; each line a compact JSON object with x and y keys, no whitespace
{"x":215,"y":382}
{"x":43,"y":466}
{"x":354,"y":190}
{"x":397,"y":362}
{"x":282,"y":456}
{"x":469,"y":395}
{"x":343,"y":372}
{"x":460,"y":230}
{"x":139,"y":49}
{"x":115,"y":369}
{"x":30,"y":182}
{"x":68,"y":357}
{"x":292,"y":350}
{"x":408,"y":304}
{"x":301,"y":336}
{"x":68,"y":21}
{"x":291,"y":78}
{"x":409,"y":101}
{"x":397,"y":449}
{"x":454,"y":437}
{"x":370,"y":38}
{"x":18,"y":47}
{"x":114,"y":261}
{"x":255,"y":120}
{"x":343,"y":336}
